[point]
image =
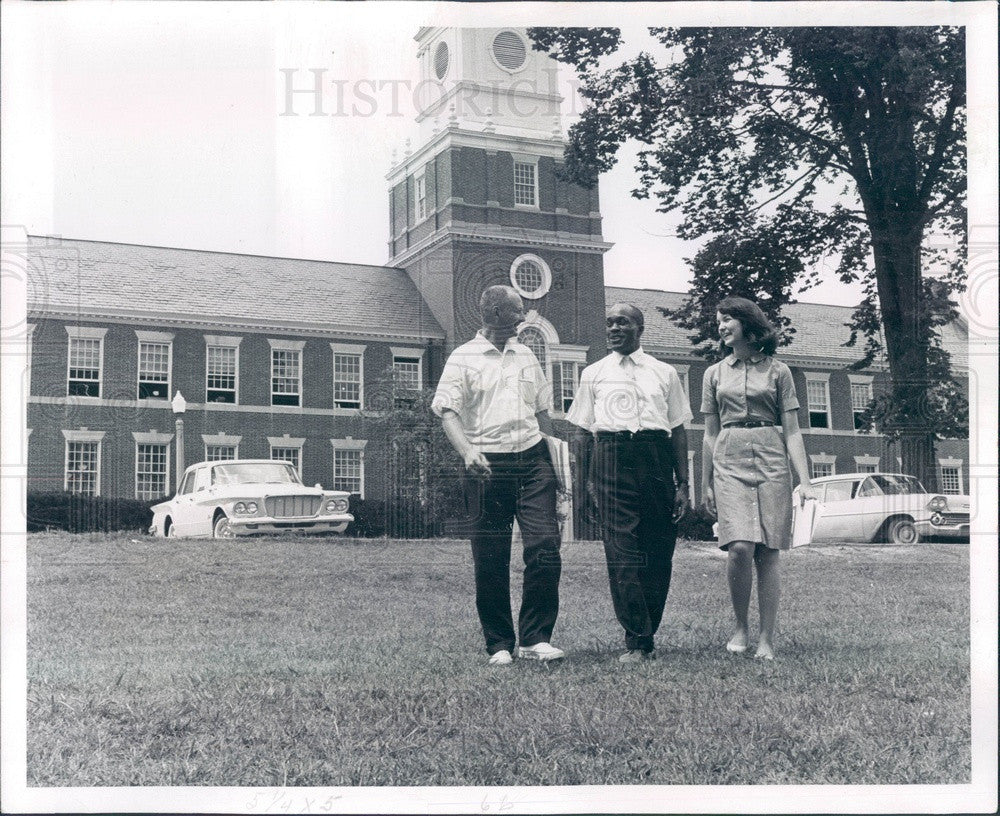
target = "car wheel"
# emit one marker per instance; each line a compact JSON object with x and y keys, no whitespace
{"x":901,"y":531}
{"x":222,"y":528}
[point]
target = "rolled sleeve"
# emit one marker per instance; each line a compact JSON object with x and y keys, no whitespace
{"x":450,"y":392}
{"x":543,"y":389}
{"x":709,"y":384}
{"x":678,"y":410}
{"x":581,"y":412}
{"x":788,"y":399}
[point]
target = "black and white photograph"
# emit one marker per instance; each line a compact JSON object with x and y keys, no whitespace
{"x":499,"y":408}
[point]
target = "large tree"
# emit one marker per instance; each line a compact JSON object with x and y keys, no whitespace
{"x":782,"y":147}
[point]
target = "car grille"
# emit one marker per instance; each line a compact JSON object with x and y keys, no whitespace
{"x":292,"y":506}
{"x":954,"y":518}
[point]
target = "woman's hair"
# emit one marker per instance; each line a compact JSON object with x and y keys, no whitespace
{"x":757,"y":329}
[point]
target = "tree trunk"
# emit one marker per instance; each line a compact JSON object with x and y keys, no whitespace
{"x":907,"y":338}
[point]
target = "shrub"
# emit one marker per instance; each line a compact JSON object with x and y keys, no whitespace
{"x":696,"y":525}
{"x":87,"y":514}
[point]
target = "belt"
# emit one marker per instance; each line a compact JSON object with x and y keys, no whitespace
{"x":647,"y":433}
{"x":749,"y":423}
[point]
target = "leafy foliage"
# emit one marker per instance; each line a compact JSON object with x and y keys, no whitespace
{"x":785,"y":147}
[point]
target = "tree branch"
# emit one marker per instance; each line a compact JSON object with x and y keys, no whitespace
{"x":814,"y":170}
{"x":941,"y":141}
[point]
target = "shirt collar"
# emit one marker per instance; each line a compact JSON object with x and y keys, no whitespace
{"x":637,"y":356}
{"x":754,"y":358}
{"x":485,"y":346}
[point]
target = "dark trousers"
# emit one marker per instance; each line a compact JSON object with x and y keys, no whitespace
{"x":634,"y":486}
{"x":522,"y":485}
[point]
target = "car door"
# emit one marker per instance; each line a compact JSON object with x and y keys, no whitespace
{"x":180,"y":510}
{"x":837,"y":517}
{"x":202,"y":504}
{"x":874,"y":507}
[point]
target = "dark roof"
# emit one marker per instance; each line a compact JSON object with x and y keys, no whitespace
{"x":820,"y":330}
{"x":96,"y":279}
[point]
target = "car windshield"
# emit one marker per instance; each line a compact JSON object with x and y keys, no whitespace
{"x":255,"y":473}
{"x":892,"y":485}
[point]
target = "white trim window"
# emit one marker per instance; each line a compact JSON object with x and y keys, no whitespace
{"x":861,"y":396}
{"x":82,"y":471}
{"x":222,"y":369}
{"x":152,"y":465}
{"x":822,"y":464}
{"x":221,"y":446}
{"x":286,"y":372}
{"x":866,"y":464}
{"x":85,"y":361}
{"x":420,"y":197}
{"x":950,"y":476}
{"x":565,"y":379}
{"x":348,"y":376}
{"x":818,"y":399}
{"x":349,"y":465}
{"x":155,"y":361}
{"x":534,"y":338}
{"x":28,"y":342}
{"x":287,"y":449}
{"x":408,"y":363}
{"x":526,"y":182}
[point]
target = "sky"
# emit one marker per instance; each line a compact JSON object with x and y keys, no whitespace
{"x":168,"y":124}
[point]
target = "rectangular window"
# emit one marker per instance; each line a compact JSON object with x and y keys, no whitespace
{"x":150,"y":471}
{"x":154,"y":370}
{"x":525,"y":184}
{"x":286,"y":374}
{"x":420,"y":195}
{"x":820,"y":469}
{"x":84,"y":367}
{"x":346,"y":380}
{"x":220,"y":373}
{"x":951,"y":480}
{"x":347,"y":470}
{"x":867,"y":468}
{"x":407,"y":371}
{"x":288,"y":454}
{"x":216,"y":453}
{"x":819,"y":403}
{"x":861,"y":395}
{"x":82,"y":467}
{"x":568,"y":377}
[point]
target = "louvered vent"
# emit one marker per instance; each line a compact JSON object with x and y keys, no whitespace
{"x":509,"y":50}
{"x":441,"y":57}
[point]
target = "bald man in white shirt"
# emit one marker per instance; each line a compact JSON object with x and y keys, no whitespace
{"x":493,"y":401}
{"x":631,"y":409}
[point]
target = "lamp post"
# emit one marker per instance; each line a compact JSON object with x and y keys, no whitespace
{"x":179,"y":405}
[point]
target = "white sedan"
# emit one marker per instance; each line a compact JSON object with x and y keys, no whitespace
{"x":885,"y":507}
{"x":237,"y":497}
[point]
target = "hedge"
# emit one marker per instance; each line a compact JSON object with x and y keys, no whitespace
{"x":76,"y":513}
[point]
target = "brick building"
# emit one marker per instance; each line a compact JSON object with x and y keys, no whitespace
{"x":275,"y":357}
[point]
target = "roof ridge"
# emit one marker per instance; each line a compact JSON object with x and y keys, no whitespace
{"x":209,"y":252}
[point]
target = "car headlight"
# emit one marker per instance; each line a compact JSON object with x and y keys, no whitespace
{"x":336,"y":506}
{"x":251,"y":507}
{"x":239,"y":507}
{"x":938,"y":504}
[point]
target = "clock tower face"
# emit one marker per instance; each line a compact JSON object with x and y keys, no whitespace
{"x":479,"y":201}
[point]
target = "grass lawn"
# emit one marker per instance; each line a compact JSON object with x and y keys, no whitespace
{"x":320,"y":662}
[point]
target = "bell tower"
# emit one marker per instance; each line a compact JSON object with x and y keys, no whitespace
{"x":479,"y":200}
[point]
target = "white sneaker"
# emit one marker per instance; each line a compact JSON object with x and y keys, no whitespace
{"x":540,"y":651}
{"x":501,"y":658}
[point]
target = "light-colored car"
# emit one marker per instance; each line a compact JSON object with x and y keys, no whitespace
{"x":237,"y":497}
{"x":889,"y":507}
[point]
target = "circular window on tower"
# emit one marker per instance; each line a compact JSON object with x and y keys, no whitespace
{"x":509,"y":51}
{"x":441,"y":57}
{"x":530,"y":276}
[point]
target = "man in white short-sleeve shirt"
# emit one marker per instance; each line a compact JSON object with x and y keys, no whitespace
{"x":493,"y":401}
{"x":632,"y":444}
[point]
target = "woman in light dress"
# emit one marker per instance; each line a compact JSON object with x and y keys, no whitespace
{"x":747,"y":398}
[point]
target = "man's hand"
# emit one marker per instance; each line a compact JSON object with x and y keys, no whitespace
{"x":476,"y":463}
{"x":680,"y":502}
{"x":807,"y":491}
{"x":709,"y":502}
